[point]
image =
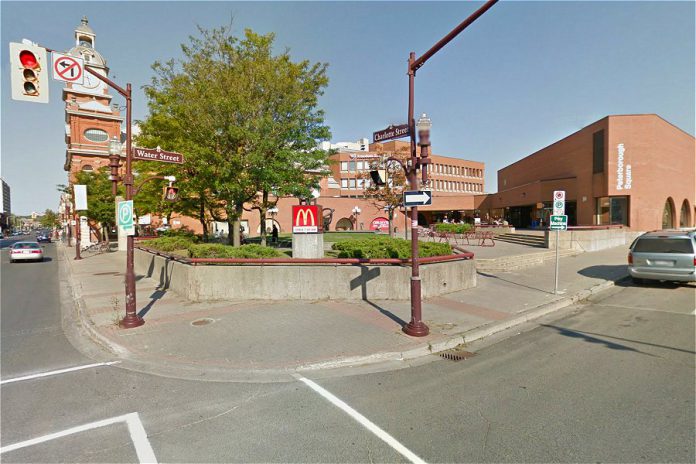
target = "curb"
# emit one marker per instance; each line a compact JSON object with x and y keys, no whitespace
{"x":80,"y":308}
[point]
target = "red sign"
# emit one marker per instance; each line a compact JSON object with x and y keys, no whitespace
{"x":380,"y":223}
{"x":306,"y":219}
{"x":157,"y":154}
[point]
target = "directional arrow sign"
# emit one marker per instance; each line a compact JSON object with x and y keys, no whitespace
{"x":418,"y":198}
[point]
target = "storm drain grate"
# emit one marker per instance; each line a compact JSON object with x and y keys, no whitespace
{"x":456,"y":354}
{"x":203,"y":321}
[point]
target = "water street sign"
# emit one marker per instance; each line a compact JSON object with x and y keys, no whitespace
{"x":391,"y":132}
{"x":418,"y":198}
{"x":559,"y":222}
{"x":157,"y":154}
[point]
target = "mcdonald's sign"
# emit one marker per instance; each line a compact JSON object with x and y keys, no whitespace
{"x":306,"y":219}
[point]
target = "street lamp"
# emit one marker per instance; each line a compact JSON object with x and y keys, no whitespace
{"x":114,"y":162}
{"x":356,"y":212}
{"x":423,"y":127}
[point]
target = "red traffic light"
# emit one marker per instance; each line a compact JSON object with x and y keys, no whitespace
{"x":28,"y":59}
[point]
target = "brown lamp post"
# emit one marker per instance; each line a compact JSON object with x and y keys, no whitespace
{"x":416,"y":327}
{"x":114,"y":163}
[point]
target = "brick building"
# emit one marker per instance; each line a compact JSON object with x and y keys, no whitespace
{"x":635,"y":170}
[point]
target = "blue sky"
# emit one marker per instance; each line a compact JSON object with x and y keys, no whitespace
{"x":521,"y":77}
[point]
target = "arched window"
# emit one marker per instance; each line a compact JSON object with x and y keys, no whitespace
{"x":684,"y":216}
{"x":344,"y":224}
{"x":87,"y":168}
{"x":668,"y":214}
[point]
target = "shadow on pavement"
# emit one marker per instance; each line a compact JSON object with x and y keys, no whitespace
{"x":492,"y":276}
{"x":156,"y":295}
{"x":613,"y":272}
{"x":367,"y":274}
{"x":585,"y":336}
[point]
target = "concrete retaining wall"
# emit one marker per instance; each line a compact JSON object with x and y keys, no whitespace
{"x":590,"y":240}
{"x":303,"y":281}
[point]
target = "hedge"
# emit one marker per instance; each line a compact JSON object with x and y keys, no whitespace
{"x":452,"y":228}
{"x":216,"y":250}
{"x":385,"y":247}
{"x":168,"y":244}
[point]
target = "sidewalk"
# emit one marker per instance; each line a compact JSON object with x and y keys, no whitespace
{"x":271,"y":340}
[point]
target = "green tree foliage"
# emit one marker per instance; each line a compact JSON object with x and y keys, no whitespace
{"x":49,"y":219}
{"x":246,"y":120}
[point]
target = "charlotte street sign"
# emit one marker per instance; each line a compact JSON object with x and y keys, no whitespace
{"x":157,"y":154}
{"x":418,"y":198}
{"x":559,"y":222}
{"x":391,"y":132}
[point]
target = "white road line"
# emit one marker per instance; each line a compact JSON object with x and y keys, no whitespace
{"x":364,"y":421}
{"x":59,"y":371}
{"x":132,"y":420}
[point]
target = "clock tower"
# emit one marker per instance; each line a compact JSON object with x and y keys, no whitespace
{"x":91,"y":119}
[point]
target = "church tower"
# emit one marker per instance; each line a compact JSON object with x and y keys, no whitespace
{"x":91,"y":120}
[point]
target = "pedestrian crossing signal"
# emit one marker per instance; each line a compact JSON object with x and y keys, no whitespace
{"x":171,"y":193}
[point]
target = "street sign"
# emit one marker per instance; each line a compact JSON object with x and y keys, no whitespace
{"x":559,"y":222}
{"x":418,"y":198}
{"x":157,"y":154}
{"x":559,"y":202}
{"x":125,"y":216}
{"x":391,"y":132}
{"x":68,"y":68}
{"x":305,"y":219}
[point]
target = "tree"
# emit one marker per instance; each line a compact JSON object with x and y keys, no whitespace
{"x":246,"y":120}
{"x":49,"y":220}
{"x":390,"y":196}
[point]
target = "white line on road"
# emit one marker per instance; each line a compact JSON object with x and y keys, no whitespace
{"x":364,"y":421}
{"x":132,"y":420}
{"x":59,"y":371}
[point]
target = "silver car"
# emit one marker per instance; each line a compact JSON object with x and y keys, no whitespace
{"x":663,"y":255}
{"x":26,"y":251}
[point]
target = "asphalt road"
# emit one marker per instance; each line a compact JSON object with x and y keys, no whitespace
{"x":610,"y":381}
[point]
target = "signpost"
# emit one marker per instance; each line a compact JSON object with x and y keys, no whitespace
{"x":418,"y":198}
{"x":558,"y":221}
{"x":125,"y":216}
{"x":68,"y":68}
{"x":391,"y":132}
{"x":157,"y":154}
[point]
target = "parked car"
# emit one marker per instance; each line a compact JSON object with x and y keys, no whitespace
{"x":26,"y":251}
{"x":663,"y":255}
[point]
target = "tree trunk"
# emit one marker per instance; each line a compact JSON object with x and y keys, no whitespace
{"x":263,"y":209}
{"x":201,"y":218}
{"x":390,"y":216}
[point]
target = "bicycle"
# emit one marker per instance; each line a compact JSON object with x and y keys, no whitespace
{"x":99,"y":247}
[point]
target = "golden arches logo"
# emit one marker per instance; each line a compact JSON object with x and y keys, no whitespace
{"x":305,"y":213}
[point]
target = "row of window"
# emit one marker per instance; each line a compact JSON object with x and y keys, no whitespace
{"x":451,"y":186}
{"x":446,"y":169}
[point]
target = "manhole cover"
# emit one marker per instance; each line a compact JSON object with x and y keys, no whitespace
{"x":456,"y":354}
{"x":203,"y":321}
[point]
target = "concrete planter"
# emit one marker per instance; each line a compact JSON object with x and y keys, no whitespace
{"x":590,"y":240}
{"x":303,"y":281}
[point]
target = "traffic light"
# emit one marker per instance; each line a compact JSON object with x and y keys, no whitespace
{"x":28,"y":73}
{"x":171,"y":193}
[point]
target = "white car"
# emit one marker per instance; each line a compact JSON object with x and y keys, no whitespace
{"x":26,"y":251}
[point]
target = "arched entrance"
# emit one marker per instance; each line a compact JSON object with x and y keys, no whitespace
{"x":685,"y":215}
{"x":344,"y":224}
{"x":269,"y":226}
{"x":668,"y":214}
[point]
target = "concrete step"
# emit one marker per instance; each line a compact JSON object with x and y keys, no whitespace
{"x":511,"y":263}
{"x":531,"y":240}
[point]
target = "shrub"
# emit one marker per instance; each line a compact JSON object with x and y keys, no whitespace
{"x":216,"y":250}
{"x":385,"y":247}
{"x":168,"y":244}
{"x":452,"y":228}
{"x":183,"y":232}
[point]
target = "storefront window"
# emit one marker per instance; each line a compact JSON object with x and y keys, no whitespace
{"x":612,"y":211}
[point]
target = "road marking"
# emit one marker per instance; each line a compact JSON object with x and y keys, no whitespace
{"x":652,"y":310}
{"x":59,"y":371}
{"x":135,"y":429}
{"x":364,"y":421}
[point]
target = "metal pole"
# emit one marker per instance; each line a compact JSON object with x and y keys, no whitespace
{"x":132,"y":319}
{"x":555,"y":280}
{"x":415,"y":328}
{"x":78,"y":234}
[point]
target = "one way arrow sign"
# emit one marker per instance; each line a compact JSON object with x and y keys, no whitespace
{"x":419,"y":198}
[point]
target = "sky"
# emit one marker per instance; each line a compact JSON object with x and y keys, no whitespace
{"x":521,"y":77}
